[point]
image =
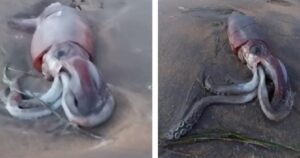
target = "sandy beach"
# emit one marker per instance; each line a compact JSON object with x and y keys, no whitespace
{"x":123,"y":54}
{"x":193,"y":39}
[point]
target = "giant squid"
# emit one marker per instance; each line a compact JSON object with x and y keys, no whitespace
{"x":62,"y":49}
{"x":249,"y":45}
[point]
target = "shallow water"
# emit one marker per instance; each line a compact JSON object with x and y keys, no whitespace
{"x":123,"y":54}
{"x":193,"y":40}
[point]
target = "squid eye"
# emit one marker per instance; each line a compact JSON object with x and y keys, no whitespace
{"x":255,"y":50}
{"x":59,"y":54}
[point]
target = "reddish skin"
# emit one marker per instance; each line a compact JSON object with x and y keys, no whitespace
{"x":73,"y":28}
{"x":247,"y":42}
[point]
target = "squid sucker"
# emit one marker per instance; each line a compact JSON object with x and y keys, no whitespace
{"x":269,"y":82}
{"x":62,"y":49}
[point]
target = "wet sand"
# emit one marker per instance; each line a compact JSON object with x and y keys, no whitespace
{"x":123,"y":54}
{"x":192,"y":39}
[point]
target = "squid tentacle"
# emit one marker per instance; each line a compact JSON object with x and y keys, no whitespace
{"x":90,"y":114}
{"x":30,"y":108}
{"x":271,"y":112}
{"x":189,"y":120}
{"x":239,"y":88}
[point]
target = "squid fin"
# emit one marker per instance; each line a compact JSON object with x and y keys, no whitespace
{"x":27,"y":25}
